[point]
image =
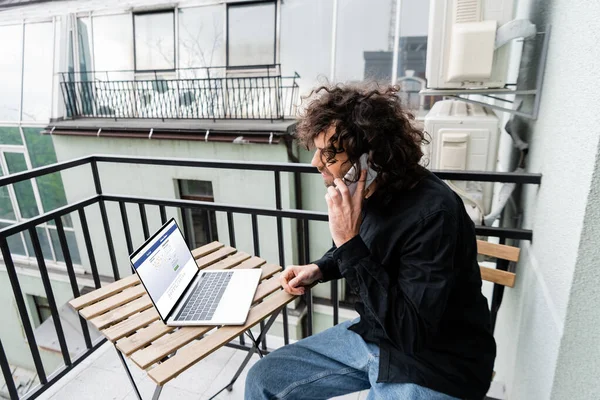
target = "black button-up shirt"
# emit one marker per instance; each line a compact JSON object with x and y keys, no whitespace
{"x":414,"y":267}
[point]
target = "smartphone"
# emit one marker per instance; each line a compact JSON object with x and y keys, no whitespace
{"x":350,"y":176}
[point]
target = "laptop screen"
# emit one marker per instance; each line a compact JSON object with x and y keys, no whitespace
{"x":165,"y":266}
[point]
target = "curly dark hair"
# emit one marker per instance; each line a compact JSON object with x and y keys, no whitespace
{"x":368,"y":118}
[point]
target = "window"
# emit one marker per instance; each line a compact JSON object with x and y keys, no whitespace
{"x":154,"y":40}
{"x":40,"y":309}
{"x":37,"y":71}
{"x":201,"y":224}
{"x":251,"y":34}
{"x":113,"y":45}
{"x":27,"y":199}
{"x":10,"y":71}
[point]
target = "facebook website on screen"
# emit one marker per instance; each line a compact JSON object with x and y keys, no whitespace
{"x":165,"y":266}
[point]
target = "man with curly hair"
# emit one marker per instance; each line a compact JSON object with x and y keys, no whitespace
{"x":406,"y":247}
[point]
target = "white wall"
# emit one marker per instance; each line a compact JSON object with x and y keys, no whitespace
{"x":541,"y":314}
{"x":578,"y":367}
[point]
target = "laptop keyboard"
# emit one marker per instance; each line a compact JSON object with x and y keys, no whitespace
{"x":205,"y":298}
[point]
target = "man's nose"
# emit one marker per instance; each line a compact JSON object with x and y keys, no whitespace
{"x":316,"y":160}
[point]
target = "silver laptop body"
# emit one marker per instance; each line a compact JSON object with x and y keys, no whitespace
{"x":182,"y":294}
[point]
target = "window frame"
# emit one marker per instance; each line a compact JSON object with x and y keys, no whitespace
{"x":159,"y":11}
{"x":227,"y":35}
{"x":46,"y":227}
{"x":186,"y":212}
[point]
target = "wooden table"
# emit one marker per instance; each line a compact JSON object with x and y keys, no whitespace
{"x":123,"y":312}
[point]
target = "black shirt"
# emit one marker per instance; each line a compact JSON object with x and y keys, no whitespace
{"x":414,"y":267}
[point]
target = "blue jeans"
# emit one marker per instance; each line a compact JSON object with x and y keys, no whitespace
{"x":332,"y":363}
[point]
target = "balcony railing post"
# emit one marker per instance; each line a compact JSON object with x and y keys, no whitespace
{"x":72,"y":278}
{"x":163,"y":214}
{"x":103,"y":214}
{"x":144,"y":219}
{"x":123,"y":209}
{"x":256,"y":243}
{"x":16,"y":287}
{"x":308,"y":294}
{"x":286,"y":335}
{"x":37,"y":248}
{"x":7,"y":373}
{"x":89,"y":247}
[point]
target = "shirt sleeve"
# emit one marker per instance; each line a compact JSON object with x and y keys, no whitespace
{"x":408,"y":307}
{"x":328,"y":266}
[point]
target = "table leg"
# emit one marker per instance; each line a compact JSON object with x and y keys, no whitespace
{"x":255,"y":345}
{"x":135,"y":389}
{"x":157,"y":391}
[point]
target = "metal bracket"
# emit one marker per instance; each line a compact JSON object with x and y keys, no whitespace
{"x":488,"y":93}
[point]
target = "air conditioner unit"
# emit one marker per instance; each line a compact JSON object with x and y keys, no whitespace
{"x":464,"y":136}
{"x":461,"y":40}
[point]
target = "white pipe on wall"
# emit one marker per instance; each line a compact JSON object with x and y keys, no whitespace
{"x":396,"y":42}
{"x":333,"y":40}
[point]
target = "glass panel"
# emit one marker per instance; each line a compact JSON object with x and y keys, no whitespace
{"x":15,"y":243}
{"x":84,"y":36}
{"x":85,"y":64}
{"x":6,"y":208}
{"x":154,"y":41}
{"x":113,"y":45}
{"x":71,"y":243}
{"x":252,"y":34}
{"x":201,"y":39}
{"x":23,"y":190}
{"x":37,"y":70}
{"x":10,"y":135}
{"x":43,"y":237}
{"x":312,"y":18}
{"x":113,"y":51}
{"x":10,"y":72}
{"x":196,"y":188}
{"x":41,"y":153}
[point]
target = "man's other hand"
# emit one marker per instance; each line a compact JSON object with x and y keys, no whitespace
{"x":296,"y":277}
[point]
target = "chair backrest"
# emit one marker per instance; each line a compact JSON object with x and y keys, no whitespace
{"x":499,"y":251}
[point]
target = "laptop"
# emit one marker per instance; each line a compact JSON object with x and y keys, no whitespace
{"x":185,"y":295}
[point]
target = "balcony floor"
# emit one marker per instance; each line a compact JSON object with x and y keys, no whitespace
{"x":101,"y":376}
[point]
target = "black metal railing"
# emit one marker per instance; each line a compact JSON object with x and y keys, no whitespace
{"x":257,"y":92}
{"x":100,"y":200}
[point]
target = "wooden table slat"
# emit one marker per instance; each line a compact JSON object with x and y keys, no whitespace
{"x":104,"y":292}
{"x":196,"y":351}
{"x":268,"y":270}
{"x":109,"y":303}
{"x":230,"y":261}
{"x":206,"y":249}
{"x":131,"y":324}
{"x":253,"y":262}
{"x":143,"y":337}
{"x":266,"y":288}
{"x":212,"y":258}
{"x":167,"y":344}
{"x":120,"y":313}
